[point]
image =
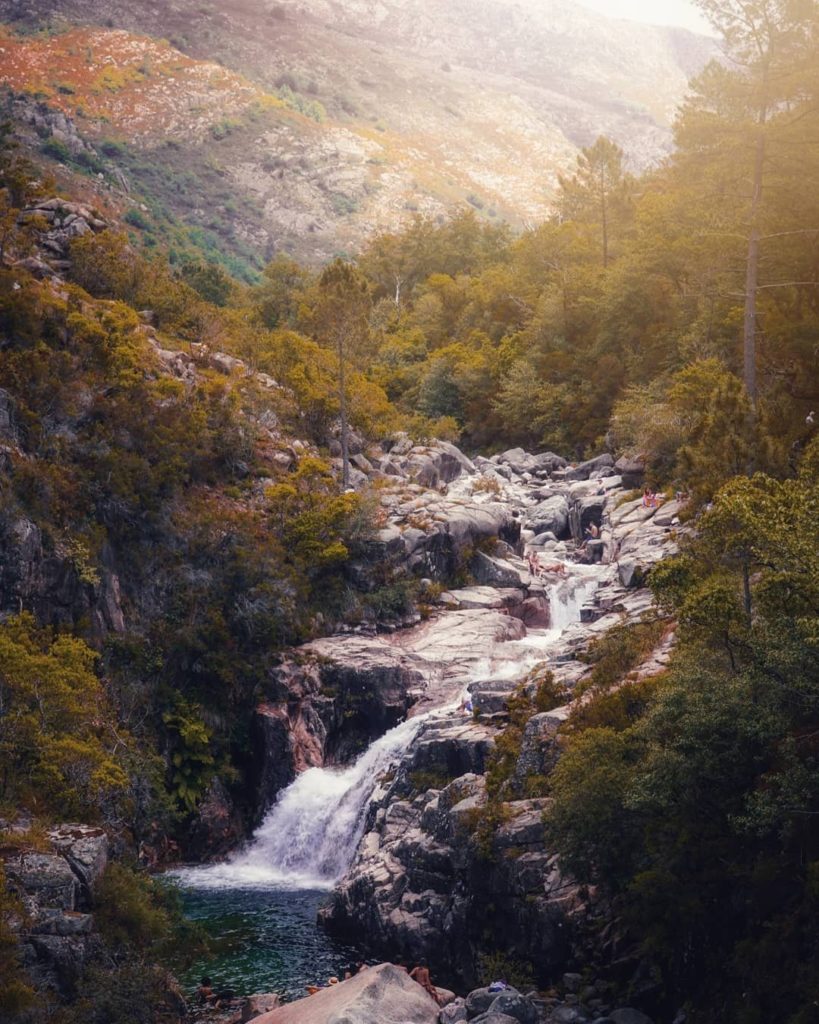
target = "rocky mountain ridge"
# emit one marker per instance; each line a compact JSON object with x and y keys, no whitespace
{"x":371,"y":111}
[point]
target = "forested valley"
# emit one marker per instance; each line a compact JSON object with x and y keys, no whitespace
{"x":167,"y":534}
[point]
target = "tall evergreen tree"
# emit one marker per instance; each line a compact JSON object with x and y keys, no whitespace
{"x":598,"y":191}
{"x":342,"y":324}
{"x":752,"y":113}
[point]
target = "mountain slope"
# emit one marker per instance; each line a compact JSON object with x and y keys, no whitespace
{"x":390,"y":107}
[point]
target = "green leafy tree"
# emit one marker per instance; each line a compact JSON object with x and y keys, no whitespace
{"x":698,"y":818}
{"x":278,"y":296}
{"x":209,"y":281}
{"x":56,"y":734}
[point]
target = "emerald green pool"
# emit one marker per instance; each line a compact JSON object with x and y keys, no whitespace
{"x":265,"y":940}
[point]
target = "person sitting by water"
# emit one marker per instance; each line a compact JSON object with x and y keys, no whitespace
{"x":421,"y":975}
{"x":208,"y":997}
{"x":205,"y":993}
{"x":311,"y":989}
{"x":557,"y":567}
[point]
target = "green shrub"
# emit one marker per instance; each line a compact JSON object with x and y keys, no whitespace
{"x":137,"y":219}
{"x":56,"y":150}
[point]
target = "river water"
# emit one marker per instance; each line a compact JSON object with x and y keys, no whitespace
{"x":260,"y":905}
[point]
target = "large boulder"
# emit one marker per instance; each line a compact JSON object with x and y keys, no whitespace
{"x":632,"y":469}
{"x":261,"y":1002}
{"x":381,"y":995}
{"x":478,"y":1001}
{"x":629,"y":1016}
{"x":452,"y":750}
{"x":495,"y":572}
{"x":434,"y":465}
{"x":550,"y":516}
{"x":85,"y":847}
{"x":602,"y":465}
{"x":47,"y":877}
{"x":453,"y":1013}
{"x":514,"y":1005}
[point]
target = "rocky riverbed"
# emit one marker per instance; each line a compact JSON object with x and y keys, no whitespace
{"x":435,"y":874}
{"x":424,"y":870}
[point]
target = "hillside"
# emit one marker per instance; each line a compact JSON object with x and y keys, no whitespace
{"x":363,"y":112}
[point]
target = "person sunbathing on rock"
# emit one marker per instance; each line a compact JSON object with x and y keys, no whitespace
{"x":421,"y":975}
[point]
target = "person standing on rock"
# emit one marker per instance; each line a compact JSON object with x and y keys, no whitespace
{"x":421,"y":975}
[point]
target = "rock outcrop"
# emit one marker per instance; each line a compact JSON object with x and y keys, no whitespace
{"x":380,"y":995}
{"x":56,"y":888}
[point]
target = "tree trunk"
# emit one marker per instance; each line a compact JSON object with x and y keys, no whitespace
{"x":342,"y":401}
{"x":604,"y":213}
{"x":752,"y":273}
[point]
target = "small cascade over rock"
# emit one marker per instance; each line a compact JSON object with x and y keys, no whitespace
{"x":309,"y":837}
{"x":568,"y":598}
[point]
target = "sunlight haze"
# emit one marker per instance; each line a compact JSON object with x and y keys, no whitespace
{"x":655,"y":12}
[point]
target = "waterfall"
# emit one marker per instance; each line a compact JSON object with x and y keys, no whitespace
{"x":308,"y":838}
{"x":568,"y":597}
{"x":310,"y":835}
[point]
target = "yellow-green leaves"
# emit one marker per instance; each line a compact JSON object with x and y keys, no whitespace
{"x":55,"y":729}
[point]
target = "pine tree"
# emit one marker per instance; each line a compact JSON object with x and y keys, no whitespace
{"x":752,"y":114}
{"x":341,"y":322}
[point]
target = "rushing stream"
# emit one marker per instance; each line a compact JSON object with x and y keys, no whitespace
{"x":261,"y":904}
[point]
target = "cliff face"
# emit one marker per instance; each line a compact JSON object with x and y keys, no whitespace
{"x":327,"y":121}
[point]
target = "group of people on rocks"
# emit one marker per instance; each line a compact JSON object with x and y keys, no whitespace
{"x":537,"y":568}
{"x":356,"y":969}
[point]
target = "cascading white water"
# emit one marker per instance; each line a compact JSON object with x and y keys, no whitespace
{"x":309,"y":837}
{"x":567,"y":598}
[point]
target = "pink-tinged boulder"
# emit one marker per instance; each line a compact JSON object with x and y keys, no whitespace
{"x":381,"y":995}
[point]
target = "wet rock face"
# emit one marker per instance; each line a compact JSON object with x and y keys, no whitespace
{"x":58,"y":938}
{"x":421,"y":885}
{"x":36,"y":576}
